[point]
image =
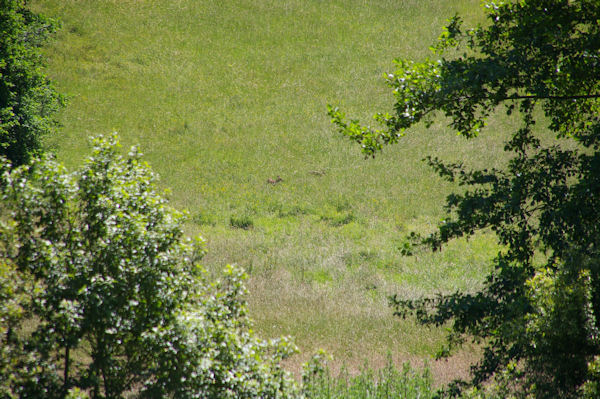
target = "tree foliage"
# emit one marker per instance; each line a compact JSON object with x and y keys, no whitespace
{"x":27,"y":99}
{"x":537,"y":314}
{"x":101,"y":295}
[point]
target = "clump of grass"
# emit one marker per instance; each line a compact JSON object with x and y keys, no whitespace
{"x":319,"y":276}
{"x":389,"y":382}
{"x":241,"y":222}
{"x":338,"y":212}
{"x":180,"y":128}
{"x":204,"y":219}
{"x":337,"y":219}
{"x":363,"y":256}
{"x":283,"y":210}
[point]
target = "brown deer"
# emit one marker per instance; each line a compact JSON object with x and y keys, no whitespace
{"x":274,"y":181}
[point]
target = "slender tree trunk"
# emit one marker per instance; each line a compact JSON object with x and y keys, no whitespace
{"x":66,"y":372}
{"x":9,"y":335}
{"x":96,"y":361}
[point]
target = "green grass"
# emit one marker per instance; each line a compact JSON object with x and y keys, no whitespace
{"x":227,"y":99}
{"x":388,"y":382}
{"x":241,"y":222}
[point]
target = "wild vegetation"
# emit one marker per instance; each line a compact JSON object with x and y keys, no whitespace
{"x":537,"y":313}
{"x":102,"y":297}
{"x":27,"y":99}
{"x":224,"y":96}
{"x":386,"y":383}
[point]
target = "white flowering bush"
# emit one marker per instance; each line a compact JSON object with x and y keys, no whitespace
{"x":101,"y":296}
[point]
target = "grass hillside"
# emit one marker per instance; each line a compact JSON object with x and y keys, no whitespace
{"x":227,"y":100}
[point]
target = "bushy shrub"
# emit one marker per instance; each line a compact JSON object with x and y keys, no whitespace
{"x":27,"y":99}
{"x":102,"y":296}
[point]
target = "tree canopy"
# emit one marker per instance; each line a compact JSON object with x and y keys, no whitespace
{"x":27,"y":99}
{"x":101,"y":296}
{"x":537,"y":313}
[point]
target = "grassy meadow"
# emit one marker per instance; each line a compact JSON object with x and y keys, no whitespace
{"x":227,"y":100}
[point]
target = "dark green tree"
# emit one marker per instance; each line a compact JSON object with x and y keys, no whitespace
{"x":101,"y":296}
{"x":537,"y":313}
{"x":27,"y":99}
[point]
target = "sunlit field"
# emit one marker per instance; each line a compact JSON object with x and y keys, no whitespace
{"x":227,"y":100}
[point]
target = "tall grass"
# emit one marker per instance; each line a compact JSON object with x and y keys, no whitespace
{"x":388,"y":382}
{"x":227,"y":99}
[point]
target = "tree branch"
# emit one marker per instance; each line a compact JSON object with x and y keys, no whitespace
{"x":577,"y":97}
